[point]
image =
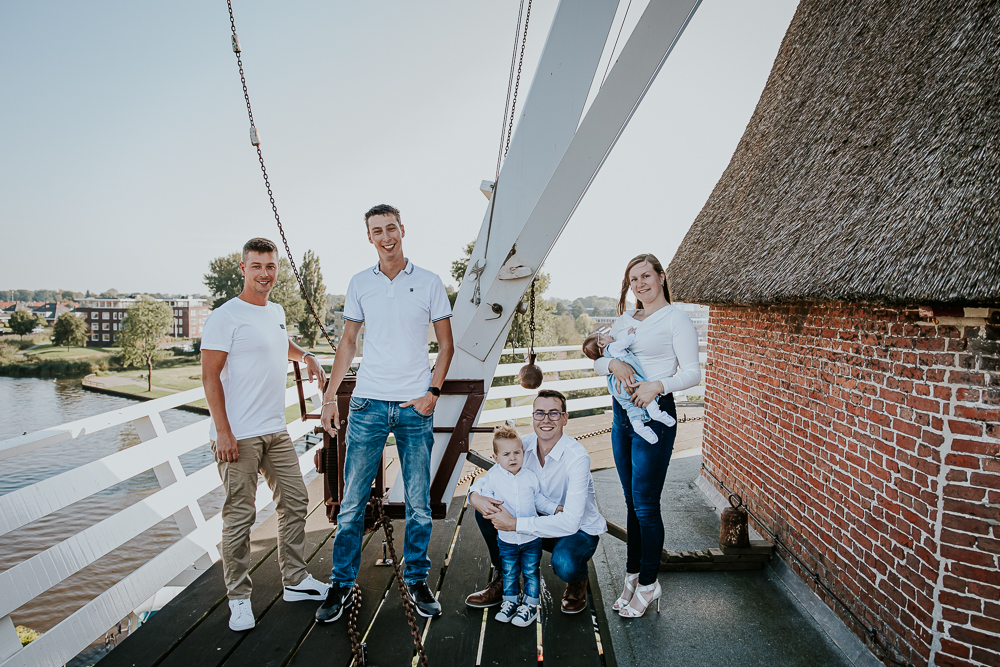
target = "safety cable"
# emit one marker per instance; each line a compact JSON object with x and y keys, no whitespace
{"x":612,"y":54}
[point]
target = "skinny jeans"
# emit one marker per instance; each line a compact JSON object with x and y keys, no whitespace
{"x":642,"y":468}
{"x":570,"y":554}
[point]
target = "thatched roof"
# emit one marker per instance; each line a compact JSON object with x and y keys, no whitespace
{"x":870,"y":170}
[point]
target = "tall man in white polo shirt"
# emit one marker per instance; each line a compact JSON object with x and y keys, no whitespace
{"x":562,"y":467}
{"x":395,"y":392}
{"x":244,"y":364}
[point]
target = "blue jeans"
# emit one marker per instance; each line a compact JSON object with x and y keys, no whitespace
{"x":368,"y":428}
{"x":623,"y":398}
{"x":570,"y":554}
{"x":642,"y":467}
{"x":517,"y":560}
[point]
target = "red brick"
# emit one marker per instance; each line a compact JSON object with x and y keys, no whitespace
{"x":964,"y":428}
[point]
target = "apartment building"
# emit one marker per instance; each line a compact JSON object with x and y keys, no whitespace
{"x":105,"y":317}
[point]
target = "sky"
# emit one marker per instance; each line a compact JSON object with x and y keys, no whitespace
{"x":126,"y":161}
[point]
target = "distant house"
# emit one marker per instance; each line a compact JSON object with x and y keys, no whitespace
{"x":850,"y":254}
{"x":189,"y":316}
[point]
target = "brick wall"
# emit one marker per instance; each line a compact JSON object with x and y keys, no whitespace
{"x":868,"y":440}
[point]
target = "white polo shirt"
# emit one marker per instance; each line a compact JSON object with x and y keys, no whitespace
{"x":396,"y":313}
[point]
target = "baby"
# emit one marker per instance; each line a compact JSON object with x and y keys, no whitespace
{"x":597,"y":345}
{"x":520,"y":554}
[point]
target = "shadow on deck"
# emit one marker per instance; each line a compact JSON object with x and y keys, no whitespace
{"x":192,"y":630}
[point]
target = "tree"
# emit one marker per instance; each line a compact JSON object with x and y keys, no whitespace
{"x":312,"y":281}
{"x":70,"y":330}
{"x":565,"y":330}
{"x":286,"y":293}
{"x":584,"y":325}
{"x":461,"y":265}
{"x":224,"y":278}
{"x":146,"y":325}
{"x":23,"y":322}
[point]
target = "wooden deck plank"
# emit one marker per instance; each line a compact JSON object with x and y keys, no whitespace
{"x":172,"y":624}
{"x":283,"y":625}
{"x":212,"y":642}
{"x":453,"y":639}
{"x":391,"y":619}
{"x":600,"y":611}
{"x":506,"y":645}
{"x":567,"y":639}
{"x":328,"y":643}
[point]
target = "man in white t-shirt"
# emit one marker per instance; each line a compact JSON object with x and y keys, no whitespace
{"x":395,"y":392}
{"x":244,"y":364}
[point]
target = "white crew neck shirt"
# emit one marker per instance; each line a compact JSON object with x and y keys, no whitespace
{"x":253,"y":379}
{"x":565,"y":479}
{"x":396,"y":313}
{"x":666,"y":344}
{"x":521,"y":495}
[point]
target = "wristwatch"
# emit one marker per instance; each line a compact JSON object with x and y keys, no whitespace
{"x":434,"y":390}
{"x":307,"y":354}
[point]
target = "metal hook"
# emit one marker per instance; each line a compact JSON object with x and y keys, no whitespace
{"x":496,"y":308}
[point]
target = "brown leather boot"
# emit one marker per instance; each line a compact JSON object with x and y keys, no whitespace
{"x":574,"y":600}
{"x":490,"y":596}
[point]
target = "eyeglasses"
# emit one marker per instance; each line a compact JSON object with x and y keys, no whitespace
{"x":553,"y":415}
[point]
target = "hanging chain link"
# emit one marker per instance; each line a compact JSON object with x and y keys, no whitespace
{"x":255,"y":140}
{"x":357,"y":648}
{"x":531,"y":321}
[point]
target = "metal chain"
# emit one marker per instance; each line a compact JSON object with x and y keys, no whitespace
{"x":255,"y":140}
{"x":531,"y":321}
{"x":513,"y":106}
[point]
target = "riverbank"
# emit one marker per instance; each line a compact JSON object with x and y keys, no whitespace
{"x":124,"y":388}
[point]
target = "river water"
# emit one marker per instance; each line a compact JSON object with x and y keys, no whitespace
{"x":30,"y":404}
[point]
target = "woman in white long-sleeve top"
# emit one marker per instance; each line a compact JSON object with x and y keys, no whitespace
{"x":666,"y":345}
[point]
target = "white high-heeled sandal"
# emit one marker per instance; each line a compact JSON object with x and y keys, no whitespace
{"x":653,"y":591}
{"x":622,"y":601}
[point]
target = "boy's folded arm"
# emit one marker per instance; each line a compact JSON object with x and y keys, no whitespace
{"x":568,"y":521}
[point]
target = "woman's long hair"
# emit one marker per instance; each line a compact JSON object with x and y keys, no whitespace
{"x":639,"y":259}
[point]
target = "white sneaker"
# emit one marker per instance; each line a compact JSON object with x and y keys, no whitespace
{"x":506,"y":612}
{"x":524,"y":616}
{"x":644,"y":432}
{"x":659,"y":415}
{"x":241,"y":615}
{"x":307,"y":589}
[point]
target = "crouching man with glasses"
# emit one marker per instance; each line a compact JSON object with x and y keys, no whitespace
{"x":562,"y":466}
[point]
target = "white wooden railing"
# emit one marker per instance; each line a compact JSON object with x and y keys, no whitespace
{"x":178,"y":496}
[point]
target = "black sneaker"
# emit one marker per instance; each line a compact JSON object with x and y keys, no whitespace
{"x":338,"y":598}
{"x":423,"y":600}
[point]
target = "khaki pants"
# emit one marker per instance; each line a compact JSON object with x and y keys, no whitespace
{"x":274,"y":456}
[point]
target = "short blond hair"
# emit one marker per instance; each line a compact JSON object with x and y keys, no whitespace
{"x":504,"y":432}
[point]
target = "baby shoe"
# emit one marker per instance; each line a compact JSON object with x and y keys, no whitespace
{"x":507,"y":610}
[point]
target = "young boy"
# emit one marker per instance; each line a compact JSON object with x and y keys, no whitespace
{"x":520,"y":554}
{"x":597,"y":345}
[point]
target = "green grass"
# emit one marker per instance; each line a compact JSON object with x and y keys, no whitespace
{"x":178,"y":378}
{"x":58,"y":352}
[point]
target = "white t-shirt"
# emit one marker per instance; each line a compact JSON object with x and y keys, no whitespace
{"x":253,"y":379}
{"x":396,"y":313}
{"x":666,"y":344}
{"x":521,"y":495}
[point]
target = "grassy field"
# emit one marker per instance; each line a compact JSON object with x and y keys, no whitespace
{"x":57,"y":352}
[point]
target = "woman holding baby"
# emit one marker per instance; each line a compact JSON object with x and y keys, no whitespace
{"x":666,"y":346}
